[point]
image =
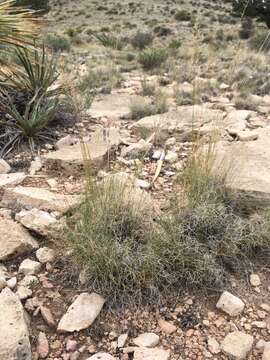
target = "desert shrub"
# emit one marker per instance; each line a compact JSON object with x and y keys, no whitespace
{"x":141,"y":40}
{"x":57,"y":43}
{"x":260,"y":41}
{"x":111,"y":241}
{"x":153,"y":58}
{"x":246,"y":101}
{"x":148,"y":88}
{"x":247,"y":28}
{"x":140,"y":108}
{"x":110,"y":41}
{"x":183,"y":15}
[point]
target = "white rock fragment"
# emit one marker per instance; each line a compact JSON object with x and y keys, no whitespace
{"x":24,"y":292}
{"x":230,"y":304}
{"x":266,"y":351}
{"x":29,"y":267}
{"x":82,"y":313}
{"x":12,"y":282}
{"x":151,"y":354}
{"x":148,"y":340}
{"x":171,"y":157}
{"x":121,"y":341}
{"x":237,"y":344}
{"x":255,"y":280}
{"x":14,"y":339}
{"x":45,"y":255}
{"x":4,"y":167}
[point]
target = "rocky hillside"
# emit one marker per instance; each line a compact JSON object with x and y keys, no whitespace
{"x":137,"y":225}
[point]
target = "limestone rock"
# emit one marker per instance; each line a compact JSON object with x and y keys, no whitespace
{"x":213,"y":345}
{"x":101,"y":356}
{"x":3,"y":283}
{"x":36,"y":220}
{"x":14,"y":339}
{"x":29,"y":267}
{"x":82,"y":313}
{"x":166,"y":327}
{"x":35,"y":166}
{"x":23,"y":292}
{"x":151,"y":354}
{"x":29,"y":280}
{"x":42,"y":346}
{"x":71,"y":158}
{"x":171,"y":157}
{"x":4,"y":167}
{"x":47,"y":316}
{"x":121,"y":341}
{"x":113,"y":106}
{"x":11,"y":179}
{"x":29,"y":197}
{"x":230,"y":304}
{"x":180,"y":122}
{"x":136,"y":150}
{"x":255,"y":280}
{"x":247,"y":135}
{"x":15,"y":240}
{"x":45,"y":255}
{"x":237,"y":345}
{"x":64,"y":141}
{"x":148,"y":340}
{"x":248,"y":174}
{"x":236,"y":121}
{"x":266,"y":351}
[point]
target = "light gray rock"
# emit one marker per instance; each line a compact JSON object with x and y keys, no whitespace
{"x":103,"y":143}
{"x":11,"y":179}
{"x":247,"y":135}
{"x":35,"y":166}
{"x":101,"y":356}
{"x":266,"y":351}
{"x":180,"y":122}
{"x":36,"y":220}
{"x":151,"y":354}
{"x":113,"y":106}
{"x":24,"y":292}
{"x":148,"y":340}
{"x":45,"y":255}
{"x":255,"y":280}
{"x":230,"y":304}
{"x":64,"y":141}
{"x":237,"y":345}
{"x":247,"y":168}
{"x":236,"y":121}
{"x":14,"y":339}
{"x":171,"y":157}
{"x":136,"y":150}
{"x":42,"y":346}
{"x":29,"y":280}
{"x":82,"y":313}
{"x":15,"y":240}
{"x":30,"y":197}
{"x":121,"y":341}
{"x":142,"y":184}
{"x":12,"y":282}
{"x":29,"y":267}
{"x":4,"y":167}
{"x":3,"y":283}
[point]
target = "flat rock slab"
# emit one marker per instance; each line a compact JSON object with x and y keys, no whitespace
{"x":179,"y":123}
{"x":14,"y":339}
{"x":237,"y":345}
{"x":248,"y":169}
{"x":11,"y":179}
{"x":151,"y":354}
{"x":30,"y":197}
{"x":113,"y":106}
{"x":97,"y":150}
{"x":15,"y":240}
{"x":82,"y":313}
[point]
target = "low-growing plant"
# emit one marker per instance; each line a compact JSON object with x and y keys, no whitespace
{"x":57,"y":43}
{"x":260,"y":41}
{"x":183,"y":15}
{"x":110,"y":41}
{"x":142,"y":40}
{"x":140,"y":108}
{"x":153,"y":58}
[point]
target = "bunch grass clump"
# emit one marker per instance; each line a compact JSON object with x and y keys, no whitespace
{"x":110,"y":41}
{"x":153,"y":57}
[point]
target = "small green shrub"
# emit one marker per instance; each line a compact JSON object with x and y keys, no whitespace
{"x":142,"y":40}
{"x":183,"y":15}
{"x":110,"y":41}
{"x":153,"y":58}
{"x":57,"y":43}
{"x":140,"y":108}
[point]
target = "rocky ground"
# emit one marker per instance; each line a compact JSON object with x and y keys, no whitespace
{"x":45,"y":316}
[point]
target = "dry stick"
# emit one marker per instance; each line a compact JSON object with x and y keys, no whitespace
{"x":159,"y":166}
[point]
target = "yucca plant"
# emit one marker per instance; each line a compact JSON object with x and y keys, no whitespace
{"x":17,"y":26}
{"x":29,"y":124}
{"x":35,"y":72}
{"x":153,"y":58}
{"x":110,"y":41}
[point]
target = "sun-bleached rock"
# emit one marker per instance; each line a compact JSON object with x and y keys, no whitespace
{"x":14,"y":339}
{"x":82,"y":313}
{"x":237,"y":345}
{"x":15,"y":240}
{"x":230,"y":304}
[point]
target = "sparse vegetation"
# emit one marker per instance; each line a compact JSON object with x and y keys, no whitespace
{"x":110,"y":41}
{"x":57,"y":43}
{"x":153,"y":58}
{"x":142,"y":40}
